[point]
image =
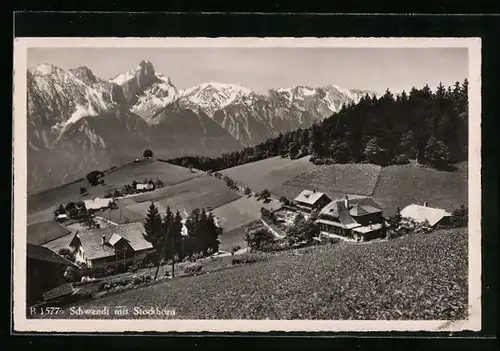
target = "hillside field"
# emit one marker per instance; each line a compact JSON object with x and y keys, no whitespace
{"x":416,"y":277}
{"x":334,"y":180}
{"x":126,"y":174}
{"x":234,"y":217}
{"x":269,"y":173}
{"x":392,"y":186}
{"x":400,"y":186}
{"x":233,"y":237}
{"x":200,"y":192}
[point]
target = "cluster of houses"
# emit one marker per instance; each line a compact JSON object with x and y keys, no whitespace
{"x":359,"y":218}
{"x":106,"y":247}
{"x":109,"y":247}
{"x":113,"y":245}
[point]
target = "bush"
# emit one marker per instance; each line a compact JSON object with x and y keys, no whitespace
{"x":193,"y":268}
{"x":95,"y":177}
{"x":423,"y":228}
{"x":401,"y":160}
{"x":317,"y":161}
{"x":248,"y":191}
{"x":314,"y":214}
{"x":72,"y":274}
{"x":460,"y":217}
{"x":333,"y":241}
{"x":437,"y":153}
{"x":302,"y":232}
{"x":247,"y":258}
{"x":147,"y":153}
{"x":284,"y":200}
{"x":276,"y":246}
{"x":102,"y":286}
{"x":229,"y":182}
{"x":259,"y":239}
{"x":235,"y":248}
{"x":67,"y":254}
{"x":265,"y":213}
{"x":265,"y":194}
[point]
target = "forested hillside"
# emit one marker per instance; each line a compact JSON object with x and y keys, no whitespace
{"x":424,"y":125}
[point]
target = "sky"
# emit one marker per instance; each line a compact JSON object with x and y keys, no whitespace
{"x":261,"y":69}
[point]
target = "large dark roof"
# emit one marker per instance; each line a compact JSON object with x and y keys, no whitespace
{"x":43,"y":232}
{"x":309,"y":197}
{"x":358,"y":206}
{"x":41,"y":253}
{"x":91,"y":239}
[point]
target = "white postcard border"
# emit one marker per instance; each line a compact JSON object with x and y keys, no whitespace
{"x":23,"y":324}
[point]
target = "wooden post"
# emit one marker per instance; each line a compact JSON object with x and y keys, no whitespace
{"x":165,"y":240}
{"x":173,"y":256}
{"x":161,"y":255}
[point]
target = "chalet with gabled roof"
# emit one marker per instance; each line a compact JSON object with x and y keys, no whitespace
{"x":111,"y":246}
{"x":309,"y":200}
{"x":354,"y":217}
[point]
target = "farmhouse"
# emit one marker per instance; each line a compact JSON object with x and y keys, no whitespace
{"x":144,"y":186}
{"x":44,"y":271}
{"x":419,"y":213}
{"x":309,"y":200}
{"x":356,"y":217}
{"x":97,"y":204}
{"x":111,"y":246}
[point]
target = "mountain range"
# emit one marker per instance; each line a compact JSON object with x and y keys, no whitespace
{"x":78,"y":122}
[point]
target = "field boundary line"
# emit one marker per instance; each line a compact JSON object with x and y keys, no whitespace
{"x":377,"y":181}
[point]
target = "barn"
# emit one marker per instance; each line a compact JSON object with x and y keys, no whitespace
{"x":44,"y":271}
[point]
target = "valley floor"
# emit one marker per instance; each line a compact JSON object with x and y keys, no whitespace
{"x":417,"y":277}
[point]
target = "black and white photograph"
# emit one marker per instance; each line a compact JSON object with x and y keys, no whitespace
{"x":244,"y":184}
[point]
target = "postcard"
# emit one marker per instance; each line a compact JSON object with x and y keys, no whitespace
{"x":247,"y":184}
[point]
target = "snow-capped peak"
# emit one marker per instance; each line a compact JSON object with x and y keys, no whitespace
{"x":124,"y":77}
{"x":145,"y":68}
{"x":212,"y":96}
{"x":43,"y":69}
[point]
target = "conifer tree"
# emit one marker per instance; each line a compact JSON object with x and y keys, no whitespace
{"x":436,"y":152}
{"x":316,"y":140}
{"x":167,"y":225}
{"x":374,"y":153}
{"x":402,"y":125}
{"x":153,"y":228}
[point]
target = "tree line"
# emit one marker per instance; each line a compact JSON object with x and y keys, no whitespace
{"x":165,"y":233}
{"x":428,"y":126}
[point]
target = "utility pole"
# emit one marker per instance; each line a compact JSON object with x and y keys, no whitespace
{"x":173,"y":255}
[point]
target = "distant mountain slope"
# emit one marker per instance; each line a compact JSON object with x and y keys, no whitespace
{"x":192,"y":132}
{"x":48,"y":200}
{"x":78,"y":122}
